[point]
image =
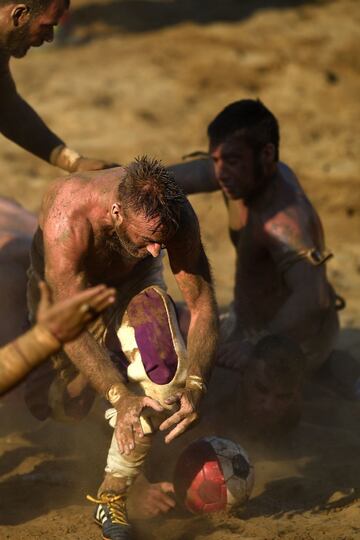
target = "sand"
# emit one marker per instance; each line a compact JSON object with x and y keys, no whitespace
{"x":147,"y":77}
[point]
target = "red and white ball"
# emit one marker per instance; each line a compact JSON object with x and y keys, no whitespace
{"x":213,"y":474}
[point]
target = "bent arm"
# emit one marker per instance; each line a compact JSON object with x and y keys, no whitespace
{"x":65,"y":248}
{"x":21,"y":124}
{"x":288,"y":241}
{"x":305,"y":283}
{"x":191,"y":269}
{"x":196,"y":176}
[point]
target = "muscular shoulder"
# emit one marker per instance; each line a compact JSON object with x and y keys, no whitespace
{"x":65,"y":196}
{"x":63,"y":217}
{"x":292,"y":224}
{"x":188,"y":232}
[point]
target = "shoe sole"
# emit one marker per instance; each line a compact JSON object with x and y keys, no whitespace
{"x":99,"y":524}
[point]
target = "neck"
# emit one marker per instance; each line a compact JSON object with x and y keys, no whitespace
{"x":264,"y":190}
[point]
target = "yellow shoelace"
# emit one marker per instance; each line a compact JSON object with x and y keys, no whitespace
{"x":116,"y":505}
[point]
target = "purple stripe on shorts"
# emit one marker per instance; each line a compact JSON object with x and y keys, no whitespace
{"x":148,"y":316}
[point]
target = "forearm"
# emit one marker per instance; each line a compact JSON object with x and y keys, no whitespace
{"x":297,"y":311}
{"x":20,"y":356}
{"x":95,"y":363}
{"x":202,"y":341}
{"x":21,"y":124}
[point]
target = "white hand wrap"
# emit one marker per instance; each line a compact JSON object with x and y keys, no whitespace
{"x":64,"y":158}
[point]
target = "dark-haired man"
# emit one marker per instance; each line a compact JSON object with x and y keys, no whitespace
{"x":281,"y":285}
{"x":111,"y":227}
{"x":25,"y":25}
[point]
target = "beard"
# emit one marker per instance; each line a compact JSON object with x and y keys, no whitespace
{"x":18,"y":41}
{"x":119,"y":243}
{"x":260,"y":183}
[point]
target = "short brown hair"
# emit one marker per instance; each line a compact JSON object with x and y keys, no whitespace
{"x":148,"y":187}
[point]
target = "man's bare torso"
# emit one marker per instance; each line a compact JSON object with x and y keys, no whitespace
{"x":273,"y":233}
{"x":76,"y":205}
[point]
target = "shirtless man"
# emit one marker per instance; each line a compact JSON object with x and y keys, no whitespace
{"x":111,"y":227}
{"x":266,"y":397}
{"x":22,"y":26}
{"x":281,"y":285}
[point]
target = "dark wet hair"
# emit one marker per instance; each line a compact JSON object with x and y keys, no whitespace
{"x":249,"y":119}
{"x":148,"y":187}
{"x":282,"y":357}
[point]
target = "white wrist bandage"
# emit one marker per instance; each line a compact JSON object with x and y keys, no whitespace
{"x":64,"y":157}
{"x":114,"y":394}
{"x":194,"y":382}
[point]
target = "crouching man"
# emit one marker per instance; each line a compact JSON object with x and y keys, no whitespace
{"x":111,"y":227}
{"x":281,"y":284}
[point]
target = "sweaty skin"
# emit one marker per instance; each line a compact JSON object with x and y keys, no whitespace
{"x":268,"y":228}
{"x":76,"y":232}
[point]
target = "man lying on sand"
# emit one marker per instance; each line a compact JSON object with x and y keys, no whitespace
{"x":110,"y":227}
{"x":281,"y":286}
{"x":265,"y":397}
{"x":25,"y":25}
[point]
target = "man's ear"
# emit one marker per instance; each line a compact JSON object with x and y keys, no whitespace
{"x":268,"y":153}
{"x":20,"y":15}
{"x":116,"y":213}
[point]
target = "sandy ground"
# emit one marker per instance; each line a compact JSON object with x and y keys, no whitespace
{"x":147,"y":77}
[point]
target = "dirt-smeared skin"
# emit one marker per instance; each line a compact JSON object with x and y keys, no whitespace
{"x":81,"y":249}
{"x":173,"y":80}
{"x":272,"y":224}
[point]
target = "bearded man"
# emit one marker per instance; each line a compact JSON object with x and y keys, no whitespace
{"x":111,"y":227}
{"x":281,"y":284}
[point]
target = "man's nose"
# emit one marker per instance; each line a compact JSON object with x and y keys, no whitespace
{"x":154,"y":249}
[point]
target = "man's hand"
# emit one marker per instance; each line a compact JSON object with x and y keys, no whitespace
{"x":83,"y":164}
{"x":66,"y":319}
{"x":129,"y":408}
{"x":188,"y":400}
{"x":147,"y":500}
{"x":65,"y":158}
{"x":234,"y":354}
